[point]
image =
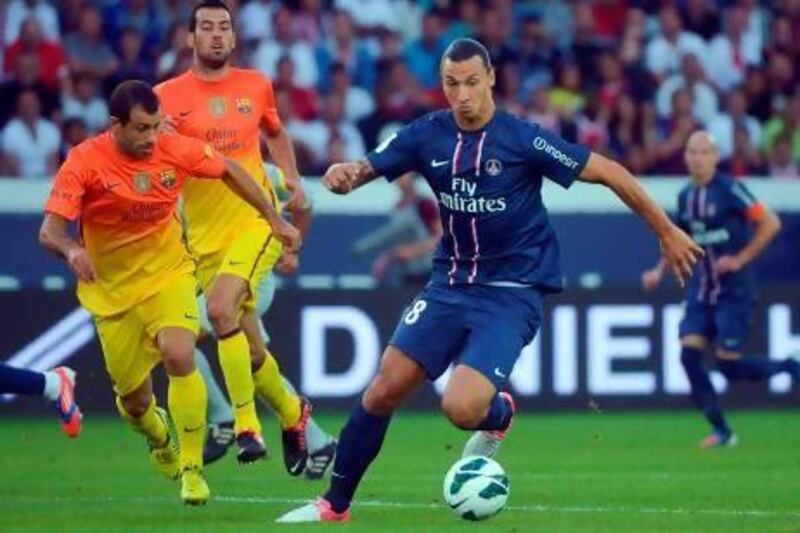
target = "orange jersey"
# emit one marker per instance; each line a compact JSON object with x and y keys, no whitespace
{"x":126,"y":211}
{"x":228,"y":114}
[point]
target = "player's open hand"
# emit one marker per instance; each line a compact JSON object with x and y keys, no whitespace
{"x":680,"y":252}
{"x":341,"y":177}
{"x":727,"y":264}
{"x":81,"y":265}
{"x":287,"y":234}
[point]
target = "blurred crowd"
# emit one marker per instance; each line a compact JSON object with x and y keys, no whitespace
{"x":628,"y":78}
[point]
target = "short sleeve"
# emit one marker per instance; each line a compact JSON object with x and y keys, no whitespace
{"x":269,"y":116}
{"x":745,"y":201}
{"x":199,"y":158}
{"x":553,"y":157}
{"x":69,"y":186}
{"x":397,"y":154}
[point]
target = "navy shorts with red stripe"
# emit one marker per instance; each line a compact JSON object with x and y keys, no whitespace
{"x":483,"y":327}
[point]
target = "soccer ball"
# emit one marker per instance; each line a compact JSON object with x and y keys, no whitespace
{"x":476,"y":487}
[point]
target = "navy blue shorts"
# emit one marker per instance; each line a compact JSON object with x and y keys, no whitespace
{"x":482,"y":327}
{"x":727,"y":322}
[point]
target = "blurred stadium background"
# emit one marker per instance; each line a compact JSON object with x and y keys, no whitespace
{"x":629,"y":78}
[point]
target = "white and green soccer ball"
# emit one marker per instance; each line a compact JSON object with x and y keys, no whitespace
{"x":476,"y":487}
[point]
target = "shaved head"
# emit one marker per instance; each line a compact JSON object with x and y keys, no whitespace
{"x":701,"y":156}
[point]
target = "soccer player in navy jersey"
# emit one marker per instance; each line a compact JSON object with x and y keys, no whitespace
{"x":497,"y":259}
{"x":719,"y":213}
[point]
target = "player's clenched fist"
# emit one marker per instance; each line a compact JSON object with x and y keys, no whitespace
{"x":81,"y":265}
{"x":286,"y":233}
{"x":680,"y":252}
{"x":341,"y":177}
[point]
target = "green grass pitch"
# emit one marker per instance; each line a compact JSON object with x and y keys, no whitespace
{"x":583,"y":472}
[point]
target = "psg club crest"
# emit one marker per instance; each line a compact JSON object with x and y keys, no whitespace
{"x":141,"y":180}
{"x":168,"y":178}
{"x":244,"y":105}
{"x":493,"y":167}
{"x":217,"y":107}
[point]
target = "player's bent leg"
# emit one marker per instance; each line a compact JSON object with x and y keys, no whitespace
{"x":737,"y":368}
{"x":225,"y":298}
{"x":702,"y":391}
{"x":187,"y":398}
{"x":362,"y":437}
{"x":139,"y":409}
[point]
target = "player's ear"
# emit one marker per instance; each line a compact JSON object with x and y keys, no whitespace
{"x":491,"y":78}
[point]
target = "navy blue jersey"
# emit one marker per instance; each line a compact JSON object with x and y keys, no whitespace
{"x":717,"y":216}
{"x":488,"y":185}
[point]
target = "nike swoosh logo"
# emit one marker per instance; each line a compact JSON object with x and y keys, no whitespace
{"x":245,"y":404}
{"x":435,"y":163}
{"x":334,"y":474}
{"x":498,"y":373}
{"x":112,"y":185}
{"x":190,"y":317}
{"x":234,"y":263}
{"x":192,"y":430}
{"x":184,"y":114}
{"x":458,"y":504}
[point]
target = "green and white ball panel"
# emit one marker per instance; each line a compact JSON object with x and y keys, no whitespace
{"x":476,"y":487}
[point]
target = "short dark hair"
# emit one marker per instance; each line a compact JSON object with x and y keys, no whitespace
{"x":207,"y":4}
{"x":464,"y":49}
{"x":128,"y":95}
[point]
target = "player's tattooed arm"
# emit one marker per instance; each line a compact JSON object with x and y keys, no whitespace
{"x":679,"y":251}
{"x":54,"y":235}
{"x":341,"y":178}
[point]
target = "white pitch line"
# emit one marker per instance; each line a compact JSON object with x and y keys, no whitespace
{"x":753,"y":513}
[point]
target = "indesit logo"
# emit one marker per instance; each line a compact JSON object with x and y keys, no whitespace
{"x":540,"y":143}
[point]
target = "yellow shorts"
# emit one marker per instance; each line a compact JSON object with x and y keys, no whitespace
{"x":130,"y":348}
{"x":251,"y":256}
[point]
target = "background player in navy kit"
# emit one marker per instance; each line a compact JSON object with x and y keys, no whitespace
{"x":719,"y":213}
{"x":496,"y":260}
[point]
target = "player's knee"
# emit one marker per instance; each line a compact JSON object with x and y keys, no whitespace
{"x":136,"y":405}
{"x":462,"y":414}
{"x":383,"y":396}
{"x":223,"y":317}
{"x":178,"y":360}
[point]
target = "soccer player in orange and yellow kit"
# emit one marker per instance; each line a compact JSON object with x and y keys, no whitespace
{"x":134,"y":272}
{"x":228,"y":108}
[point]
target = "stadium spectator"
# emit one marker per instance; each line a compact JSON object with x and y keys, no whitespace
{"x":786,"y":122}
{"x":663,"y":54}
{"x":284,"y":43}
{"x":611,"y":82}
{"x":370,"y":15}
{"x":18,"y":11}
{"x":495,"y":36}
{"x":344,"y":47}
{"x":30,"y":142}
{"x":700,"y":17}
{"x":566,"y":98}
{"x":722,"y":127}
{"x":139,"y":15}
{"x":312,"y":21}
{"x":692,"y":77}
{"x":81,"y":100}
{"x":423,"y":54}
{"x":332,"y":125}
{"x":731,"y":52}
{"x":673,"y":135}
{"x":133,"y":61}
{"x":757,"y":91}
{"x":781,"y":74}
{"x":537,"y":56}
{"x":254,"y":23}
{"x":541,"y":112}
{"x":781,"y":162}
{"x":177,"y":57}
{"x":27,"y":77}
{"x":305,"y":103}
{"x":358,"y":103}
{"x":73,"y":132}
{"x":466,"y":20}
{"x":87,"y":51}
{"x":49,"y":53}
{"x":745,"y":159}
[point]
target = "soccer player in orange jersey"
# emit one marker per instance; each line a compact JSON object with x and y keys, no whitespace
{"x":134,"y":272}
{"x":229,"y":108}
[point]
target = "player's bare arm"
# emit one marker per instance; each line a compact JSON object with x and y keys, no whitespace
{"x":240,"y":182}
{"x":679,"y":251}
{"x":342,"y":178}
{"x":768,"y":225}
{"x":54,"y":235}
{"x":282,"y":153}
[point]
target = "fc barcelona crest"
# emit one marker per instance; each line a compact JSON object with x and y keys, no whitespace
{"x":141,"y":180}
{"x":217,"y":107}
{"x":168,"y":178}
{"x":244,"y":105}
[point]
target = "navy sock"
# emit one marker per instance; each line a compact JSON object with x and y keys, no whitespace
{"x":755,"y":369}
{"x":703,"y":393}
{"x":21,"y":381}
{"x":359,"y":444}
{"x":499,"y":415}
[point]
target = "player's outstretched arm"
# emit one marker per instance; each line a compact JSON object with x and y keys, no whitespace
{"x":768,"y":225}
{"x":282,"y":153}
{"x":341,"y":178}
{"x":54,"y":236}
{"x":679,"y":251}
{"x":240,"y":182}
